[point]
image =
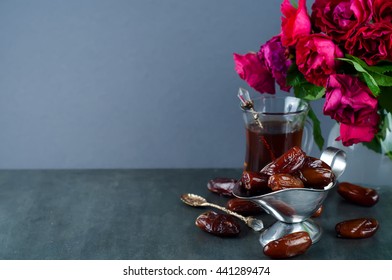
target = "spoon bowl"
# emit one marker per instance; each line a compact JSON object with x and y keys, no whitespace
{"x":193,"y":199}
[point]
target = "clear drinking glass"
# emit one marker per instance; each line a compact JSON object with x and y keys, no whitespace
{"x":284,"y":125}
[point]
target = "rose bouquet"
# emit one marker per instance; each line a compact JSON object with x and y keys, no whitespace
{"x":340,"y":51}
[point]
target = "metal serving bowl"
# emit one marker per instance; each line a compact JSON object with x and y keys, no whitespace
{"x":293,"y":207}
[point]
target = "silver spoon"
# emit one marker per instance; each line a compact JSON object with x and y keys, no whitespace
{"x":196,"y":201}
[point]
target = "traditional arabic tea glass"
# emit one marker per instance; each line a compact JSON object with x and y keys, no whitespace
{"x":273,"y":126}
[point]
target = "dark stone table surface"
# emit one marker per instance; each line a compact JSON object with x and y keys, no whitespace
{"x":137,"y":214}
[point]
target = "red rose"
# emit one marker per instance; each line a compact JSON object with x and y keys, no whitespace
{"x":353,"y":134}
{"x":350,"y":102}
{"x":372,"y":43}
{"x":316,"y":58}
{"x":382,"y":10}
{"x":254,"y":72}
{"x":295,"y":22}
{"x":274,"y":56}
{"x":338,"y":18}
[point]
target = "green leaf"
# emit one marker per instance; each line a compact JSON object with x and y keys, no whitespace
{"x":384,"y":127}
{"x":371,"y":83}
{"x":385,"y":98}
{"x":381,"y":79}
{"x":294,"y":76}
{"x":369,"y":80}
{"x":357,"y":60}
{"x":377,"y":72}
{"x":309,"y":91}
{"x":317,"y":135}
{"x":381,"y":67}
{"x":302,"y":88}
{"x":294,"y":3}
{"x":374,"y":145}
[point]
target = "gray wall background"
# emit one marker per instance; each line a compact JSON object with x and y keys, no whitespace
{"x":126,"y":84}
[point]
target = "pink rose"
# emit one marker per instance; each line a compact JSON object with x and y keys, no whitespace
{"x":338,"y":18}
{"x":352,"y":134}
{"x":295,"y":22}
{"x":316,"y":58}
{"x":274,"y":55}
{"x":382,"y":10}
{"x":350,"y":102}
{"x":254,"y":72}
{"x":372,"y":43}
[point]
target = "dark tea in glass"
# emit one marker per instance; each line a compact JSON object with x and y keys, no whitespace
{"x":283,"y":121}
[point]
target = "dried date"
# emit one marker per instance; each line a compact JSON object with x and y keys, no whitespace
{"x":357,"y":228}
{"x":316,"y":178}
{"x":284,"y":181}
{"x":254,"y":182}
{"x":288,"y":246}
{"x":218,"y":224}
{"x":357,"y":194}
{"x":244,"y":207}
{"x":313,"y":162}
{"x":223,"y":186}
{"x":289,"y":162}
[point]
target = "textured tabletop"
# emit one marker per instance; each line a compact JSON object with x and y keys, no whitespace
{"x":137,"y":214}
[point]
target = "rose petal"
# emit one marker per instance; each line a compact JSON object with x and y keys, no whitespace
{"x":254,"y":72}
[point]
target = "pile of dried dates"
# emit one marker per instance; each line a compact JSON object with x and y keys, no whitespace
{"x":294,"y":169}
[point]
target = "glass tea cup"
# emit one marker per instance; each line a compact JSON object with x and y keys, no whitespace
{"x":282,"y":125}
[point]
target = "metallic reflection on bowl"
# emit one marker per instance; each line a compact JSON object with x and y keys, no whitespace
{"x":291,"y":206}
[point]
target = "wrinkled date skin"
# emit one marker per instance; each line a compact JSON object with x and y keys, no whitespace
{"x":243,"y":207}
{"x":218,"y":224}
{"x":357,"y":228}
{"x":313,"y":162}
{"x":288,"y":246}
{"x":284,"y":181}
{"x":255,"y":182}
{"x":357,"y":194}
{"x":223,"y":186}
{"x":316,"y":178}
{"x":289,"y":162}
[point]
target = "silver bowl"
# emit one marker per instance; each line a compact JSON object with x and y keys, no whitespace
{"x":293,"y":207}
